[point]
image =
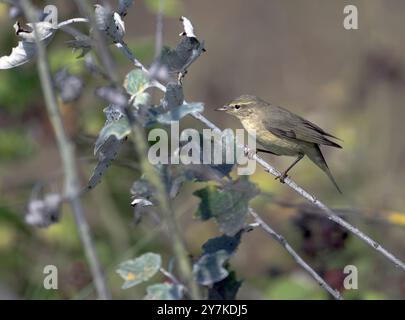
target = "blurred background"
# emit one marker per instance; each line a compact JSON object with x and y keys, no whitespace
{"x":292,"y":53}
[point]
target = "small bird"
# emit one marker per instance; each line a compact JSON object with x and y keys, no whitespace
{"x":282,"y":132}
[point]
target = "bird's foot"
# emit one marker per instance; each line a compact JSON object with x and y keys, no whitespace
{"x":281,"y":177}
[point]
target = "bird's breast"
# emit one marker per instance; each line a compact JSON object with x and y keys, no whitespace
{"x":270,"y":141}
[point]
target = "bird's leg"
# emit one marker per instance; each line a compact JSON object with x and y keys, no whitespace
{"x":284,"y":174}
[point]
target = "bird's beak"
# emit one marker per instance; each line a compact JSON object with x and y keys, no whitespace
{"x":223,"y":108}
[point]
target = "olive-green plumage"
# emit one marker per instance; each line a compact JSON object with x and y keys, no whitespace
{"x":282,"y":132}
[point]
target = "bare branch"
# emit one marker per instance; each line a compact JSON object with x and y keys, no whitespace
{"x":280,"y":239}
{"x":293,"y":185}
{"x":66,"y":150}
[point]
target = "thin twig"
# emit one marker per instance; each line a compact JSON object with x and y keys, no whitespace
{"x":159,"y":28}
{"x":70,"y":21}
{"x":66,"y":151}
{"x":293,"y":185}
{"x":280,"y":239}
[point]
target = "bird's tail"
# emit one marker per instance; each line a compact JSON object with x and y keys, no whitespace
{"x":316,"y":156}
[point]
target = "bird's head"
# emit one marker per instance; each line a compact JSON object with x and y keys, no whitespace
{"x":242,"y":106}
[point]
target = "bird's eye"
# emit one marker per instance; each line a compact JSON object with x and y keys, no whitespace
{"x":237,"y":107}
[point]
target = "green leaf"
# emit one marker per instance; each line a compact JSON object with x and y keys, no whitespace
{"x":224,"y":242}
{"x":164,"y":291}
{"x":227,"y":205}
{"x":136,"y":82}
{"x":225,"y":289}
{"x":142,"y":98}
{"x":210,"y":268}
{"x":119,"y":129}
{"x":140,"y":269}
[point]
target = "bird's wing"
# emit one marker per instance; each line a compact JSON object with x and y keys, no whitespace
{"x":286,"y":124}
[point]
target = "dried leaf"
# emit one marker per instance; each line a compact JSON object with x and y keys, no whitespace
{"x":110,"y":23}
{"x":26,"y":48}
{"x":171,"y":62}
{"x":44,"y":212}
